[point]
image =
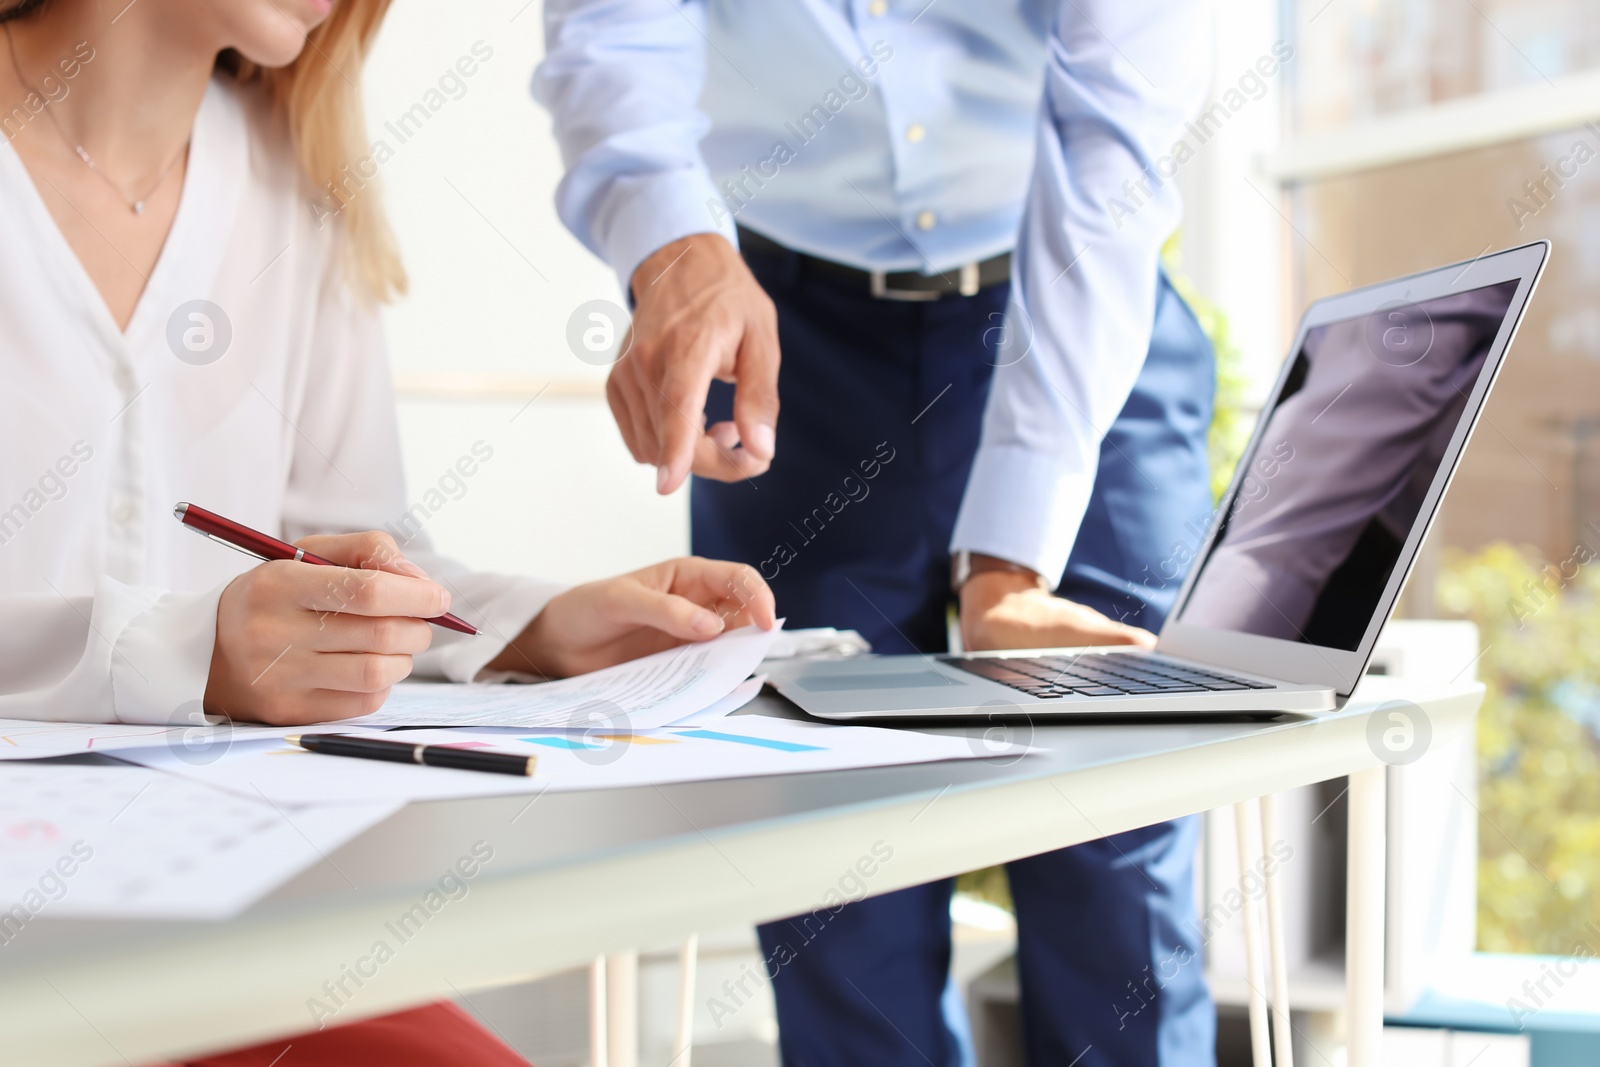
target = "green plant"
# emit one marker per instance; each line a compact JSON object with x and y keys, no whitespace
{"x":1231,"y":418}
{"x":1538,"y":743}
{"x":988,"y":885}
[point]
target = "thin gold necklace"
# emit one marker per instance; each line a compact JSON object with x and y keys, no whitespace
{"x":135,"y":204}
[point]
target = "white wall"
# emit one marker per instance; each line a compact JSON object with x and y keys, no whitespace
{"x":494,"y":278}
{"x":1232,"y":231}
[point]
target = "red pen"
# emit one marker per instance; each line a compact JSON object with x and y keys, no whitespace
{"x":263,"y":547}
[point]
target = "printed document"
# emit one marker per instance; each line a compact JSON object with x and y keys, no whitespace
{"x":740,"y":746}
{"x":641,"y":694}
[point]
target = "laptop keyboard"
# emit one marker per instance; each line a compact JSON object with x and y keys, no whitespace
{"x":1109,"y":674}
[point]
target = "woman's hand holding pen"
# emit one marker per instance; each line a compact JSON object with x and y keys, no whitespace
{"x":298,"y":643}
{"x":618,"y":619}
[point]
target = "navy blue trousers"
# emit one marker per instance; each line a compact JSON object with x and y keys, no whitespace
{"x":882,"y":408}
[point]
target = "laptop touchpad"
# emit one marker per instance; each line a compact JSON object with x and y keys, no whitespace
{"x":829,"y":683}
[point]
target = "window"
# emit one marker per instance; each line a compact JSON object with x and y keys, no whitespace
{"x":1361,"y":59}
{"x":1517,"y":544}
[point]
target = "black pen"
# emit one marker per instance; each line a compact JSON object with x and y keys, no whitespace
{"x":462,"y":759}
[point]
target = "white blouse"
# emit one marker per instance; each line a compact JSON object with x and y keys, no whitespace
{"x":107,"y":606}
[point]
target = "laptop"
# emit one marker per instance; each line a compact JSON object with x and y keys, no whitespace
{"x":1296,"y":574}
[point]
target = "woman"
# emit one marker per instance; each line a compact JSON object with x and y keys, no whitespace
{"x":187,"y":313}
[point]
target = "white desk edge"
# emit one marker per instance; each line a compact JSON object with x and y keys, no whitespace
{"x":252,"y":978}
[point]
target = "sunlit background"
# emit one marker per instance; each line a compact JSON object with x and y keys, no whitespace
{"x":1401,"y":135}
{"x":1469,"y":120}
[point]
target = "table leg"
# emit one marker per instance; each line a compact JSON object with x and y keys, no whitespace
{"x":1364,"y":919}
{"x":622,"y":1004}
{"x":1249,"y":842}
{"x":598,"y":1056}
{"x":1282,"y":1034}
{"x":688,"y":957}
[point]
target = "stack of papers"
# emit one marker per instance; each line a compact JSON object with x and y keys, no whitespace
{"x":745,"y":746}
{"x":207,"y":819}
{"x":28,"y":739}
{"x":641,"y":694}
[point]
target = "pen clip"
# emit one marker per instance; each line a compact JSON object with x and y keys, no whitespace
{"x":226,"y":544}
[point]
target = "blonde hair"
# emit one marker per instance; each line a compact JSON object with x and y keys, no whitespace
{"x":318,"y":97}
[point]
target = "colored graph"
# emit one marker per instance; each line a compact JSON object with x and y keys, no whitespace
{"x":598,"y":742}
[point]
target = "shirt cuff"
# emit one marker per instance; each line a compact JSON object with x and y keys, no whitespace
{"x":161,"y":655}
{"x":501,"y":608}
{"x":1024,"y":507}
{"x":657,"y":211}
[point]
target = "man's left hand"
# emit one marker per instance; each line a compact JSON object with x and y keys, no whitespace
{"x":1008,"y":609}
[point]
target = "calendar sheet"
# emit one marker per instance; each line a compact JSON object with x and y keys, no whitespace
{"x":128,"y":842}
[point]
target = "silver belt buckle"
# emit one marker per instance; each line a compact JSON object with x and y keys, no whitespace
{"x":881,"y":290}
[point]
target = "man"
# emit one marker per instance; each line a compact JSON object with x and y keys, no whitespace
{"x":876,"y":162}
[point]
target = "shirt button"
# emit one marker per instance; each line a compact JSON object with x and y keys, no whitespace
{"x":123,"y":515}
{"x":926,"y":220}
{"x":122,"y":377}
{"x":915,"y":132}
{"x":878,"y":8}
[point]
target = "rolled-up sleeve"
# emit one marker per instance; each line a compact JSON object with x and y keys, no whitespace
{"x":622,"y":81}
{"x":1121,"y":80}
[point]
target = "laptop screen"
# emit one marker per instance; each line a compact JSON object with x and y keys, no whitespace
{"x":1339,"y":474}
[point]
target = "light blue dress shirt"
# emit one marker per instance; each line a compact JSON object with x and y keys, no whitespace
{"x":910,"y":135}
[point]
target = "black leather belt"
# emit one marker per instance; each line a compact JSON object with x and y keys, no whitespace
{"x":965,"y":280}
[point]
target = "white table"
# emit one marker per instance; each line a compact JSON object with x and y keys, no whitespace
{"x":576,"y":875}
